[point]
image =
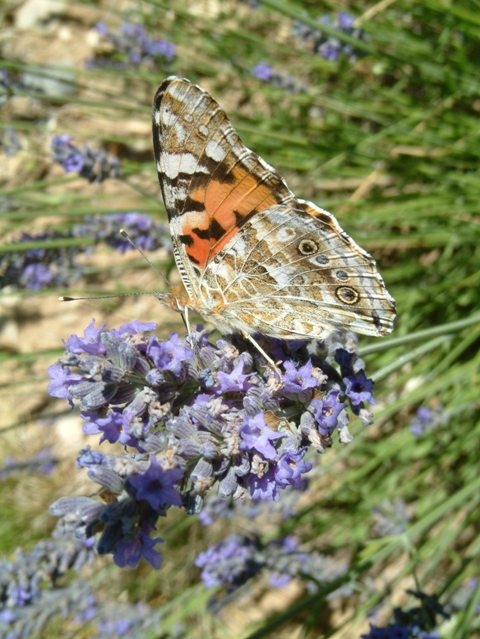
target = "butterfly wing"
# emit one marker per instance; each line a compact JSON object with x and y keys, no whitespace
{"x":252,"y":257}
{"x":291,"y":272}
{"x":211,"y":183}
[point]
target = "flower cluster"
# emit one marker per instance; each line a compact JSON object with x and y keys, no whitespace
{"x":32,"y":584}
{"x":37,"y":268}
{"x":193,"y":416}
{"x":144,"y":232}
{"x":216,"y":508}
{"x":266,"y":73}
{"x":132,"y":46}
{"x":419,"y":621}
{"x":239,"y":558}
{"x":42,"y":267}
{"x":427,"y":419}
{"x":118,"y":619}
{"x":43,"y":462}
{"x":94,"y":166}
{"x":327,"y":46}
{"x":36,"y":590}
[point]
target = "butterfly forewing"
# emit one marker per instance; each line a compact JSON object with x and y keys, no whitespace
{"x":211,"y":183}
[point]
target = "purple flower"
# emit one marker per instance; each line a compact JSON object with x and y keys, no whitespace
{"x":117,"y":627}
{"x":90,"y":342}
{"x":38,"y":268}
{"x":262,"y":71}
{"x":27,"y":577}
{"x":331,"y":49}
{"x":326,"y":45}
{"x":132,"y":46}
{"x":97,"y":371}
{"x":262,"y":483}
{"x":162,"y":48}
{"x":144,"y":232}
{"x":216,"y":508}
{"x":88,"y":457}
{"x":284,"y":559}
{"x":94,"y":166}
{"x":257,"y":436}
{"x":19,"y":596}
{"x":157,"y":486}
{"x":110,"y":427}
{"x":418,"y":621}
{"x":359,"y":389}
{"x":129,"y":552}
{"x":326,"y":411}
{"x":136,"y":326}
{"x":345,"y":21}
{"x":172,"y":355}
{"x":47,"y":266}
{"x":427,"y":419}
{"x":37,"y":276}
{"x":290,"y":470}
{"x":101,"y":27}
{"x":8,"y":616}
{"x":233,"y":561}
{"x":266,"y":73}
{"x":297,"y":380}
{"x":235,"y":381}
{"x":394,"y":631}
{"x":348,"y":359}
{"x":230,"y":563}
{"x":43,"y":462}
{"x":61,"y":378}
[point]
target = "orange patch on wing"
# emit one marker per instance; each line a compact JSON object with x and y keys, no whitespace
{"x":199,"y":250}
{"x":224,"y":203}
{"x":243,"y":195}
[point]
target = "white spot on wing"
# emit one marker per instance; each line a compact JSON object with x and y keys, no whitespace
{"x":285,"y":233}
{"x":214,"y":151}
{"x":174,"y":163}
{"x":180,"y":132}
{"x":165,"y":115}
{"x":222,"y":270}
{"x":189,"y":218}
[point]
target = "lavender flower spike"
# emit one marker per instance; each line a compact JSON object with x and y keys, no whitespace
{"x":193,"y":423}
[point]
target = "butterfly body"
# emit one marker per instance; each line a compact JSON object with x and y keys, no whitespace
{"x":254,"y":258}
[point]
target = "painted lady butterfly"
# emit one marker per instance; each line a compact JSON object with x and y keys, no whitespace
{"x":253,"y":257}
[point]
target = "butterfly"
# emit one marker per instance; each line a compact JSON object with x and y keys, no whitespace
{"x":252,"y":256}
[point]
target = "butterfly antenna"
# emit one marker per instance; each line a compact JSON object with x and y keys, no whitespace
{"x":160,"y":296}
{"x":127,"y":237}
{"x":67,"y":298}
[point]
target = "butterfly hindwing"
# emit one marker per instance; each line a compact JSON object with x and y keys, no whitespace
{"x":292,"y":272}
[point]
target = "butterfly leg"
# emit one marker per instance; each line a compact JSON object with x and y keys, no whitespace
{"x":269,"y":360}
{"x":190,"y":339}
